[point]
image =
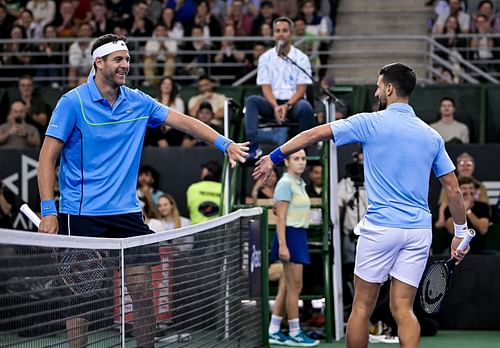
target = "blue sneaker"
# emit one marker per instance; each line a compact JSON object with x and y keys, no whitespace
{"x":301,"y":340}
{"x":277,"y":338}
{"x":254,"y":153}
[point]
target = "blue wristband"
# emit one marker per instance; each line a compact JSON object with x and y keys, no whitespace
{"x":48,"y":207}
{"x":222,"y":143}
{"x":277,"y":156}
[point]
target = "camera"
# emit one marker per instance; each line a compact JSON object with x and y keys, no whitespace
{"x":18,"y":120}
{"x":355,"y":170}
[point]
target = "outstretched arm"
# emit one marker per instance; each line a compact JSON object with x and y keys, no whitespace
{"x":199,"y":130}
{"x":264,"y":166}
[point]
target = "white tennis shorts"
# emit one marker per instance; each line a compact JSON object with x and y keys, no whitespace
{"x":387,"y":251}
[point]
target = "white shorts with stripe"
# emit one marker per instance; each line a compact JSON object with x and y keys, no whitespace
{"x":387,"y":251}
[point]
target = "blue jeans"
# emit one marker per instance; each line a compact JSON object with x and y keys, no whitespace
{"x":257,"y":105}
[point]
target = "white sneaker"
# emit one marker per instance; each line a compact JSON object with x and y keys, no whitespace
{"x":383,"y":339}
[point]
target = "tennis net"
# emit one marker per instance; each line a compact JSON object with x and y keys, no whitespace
{"x":189,"y":287}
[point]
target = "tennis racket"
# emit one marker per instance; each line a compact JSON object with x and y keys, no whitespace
{"x":437,"y":280}
{"x":82,"y":270}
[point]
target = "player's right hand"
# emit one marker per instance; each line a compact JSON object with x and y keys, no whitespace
{"x":49,"y":224}
{"x":456,"y":253}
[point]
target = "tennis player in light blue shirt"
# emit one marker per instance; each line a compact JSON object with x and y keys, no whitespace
{"x":400,"y":151}
{"x":97,"y":129}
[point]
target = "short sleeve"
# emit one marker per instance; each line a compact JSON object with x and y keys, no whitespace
{"x":157,"y":111}
{"x":442,"y":164}
{"x":282,"y":192}
{"x":262,"y":71}
{"x":354,"y":129}
{"x":306,"y":64}
{"x":63,"y":119}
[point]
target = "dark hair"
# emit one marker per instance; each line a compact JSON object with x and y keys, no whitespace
{"x":102,"y":40}
{"x":206,"y":105}
{"x":206,"y":3}
{"x":485,"y":2}
{"x":214,"y":169}
{"x":266,"y":3}
{"x":173,"y":94}
{"x":107,"y":38}
{"x":482,"y":16}
{"x":465,"y":180}
{"x":204,"y":77}
{"x":284,"y":19}
{"x":401,"y":76}
{"x":447,"y":99}
{"x":146,"y":169}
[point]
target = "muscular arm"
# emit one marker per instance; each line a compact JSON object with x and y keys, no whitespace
{"x":455,"y":199}
{"x":199,"y":130}
{"x":264,"y":166}
{"x":192,"y":126}
{"x":307,"y":138}
{"x":51,"y":149}
{"x":457,"y":209}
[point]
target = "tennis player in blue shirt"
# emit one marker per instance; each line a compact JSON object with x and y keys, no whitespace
{"x":400,"y":151}
{"x":97,"y":129}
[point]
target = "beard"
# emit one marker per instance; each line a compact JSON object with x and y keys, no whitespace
{"x":382,"y":104}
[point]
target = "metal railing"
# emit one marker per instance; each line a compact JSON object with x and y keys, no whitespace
{"x":430,"y":56}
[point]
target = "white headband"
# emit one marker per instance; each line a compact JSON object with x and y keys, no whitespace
{"x":104,"y":50}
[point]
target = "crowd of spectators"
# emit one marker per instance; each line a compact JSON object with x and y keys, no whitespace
{"x":453,"y":19}
{"x":201,"y":29}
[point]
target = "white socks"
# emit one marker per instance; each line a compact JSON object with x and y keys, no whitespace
{"x":275,"y":324}
{"x":294,"y":327}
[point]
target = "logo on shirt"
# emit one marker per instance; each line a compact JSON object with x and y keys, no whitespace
{"x":129,"y":111}
{"x":53,"y":125}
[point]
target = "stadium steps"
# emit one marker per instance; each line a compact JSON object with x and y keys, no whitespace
{"x":359,"y":60}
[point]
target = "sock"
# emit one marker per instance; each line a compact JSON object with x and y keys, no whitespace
{"x":294,"y":327}
{"x":275,"y":324}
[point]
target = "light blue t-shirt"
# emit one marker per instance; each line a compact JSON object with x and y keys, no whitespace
{"x":399,"y":151}
{"x":102,"y":148}
{"x":293,"y":190}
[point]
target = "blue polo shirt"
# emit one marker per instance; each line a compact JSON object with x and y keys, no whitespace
{"x":399,"y":152}
{"x":102,"y":148}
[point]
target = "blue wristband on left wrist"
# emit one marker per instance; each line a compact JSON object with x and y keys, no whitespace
{"x":277,"y":156}
{"x":222,"y":143}
{"x":48,"y":207}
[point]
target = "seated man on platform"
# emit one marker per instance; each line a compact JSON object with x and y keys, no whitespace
{"x":283,"y":86}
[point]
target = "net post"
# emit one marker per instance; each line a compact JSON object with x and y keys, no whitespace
{"x":122,"y":294}
{"x":265,"y":276}
{"x":335,"y":291}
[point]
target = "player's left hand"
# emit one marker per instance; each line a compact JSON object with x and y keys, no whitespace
{"x":237,"y":152}
{"x":263,"y":168}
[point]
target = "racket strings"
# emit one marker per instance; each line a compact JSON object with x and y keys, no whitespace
{"x":434,"y":288}
{"x":82,"y":270}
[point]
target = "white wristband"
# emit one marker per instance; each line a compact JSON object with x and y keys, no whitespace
{"x":460,"y":230}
